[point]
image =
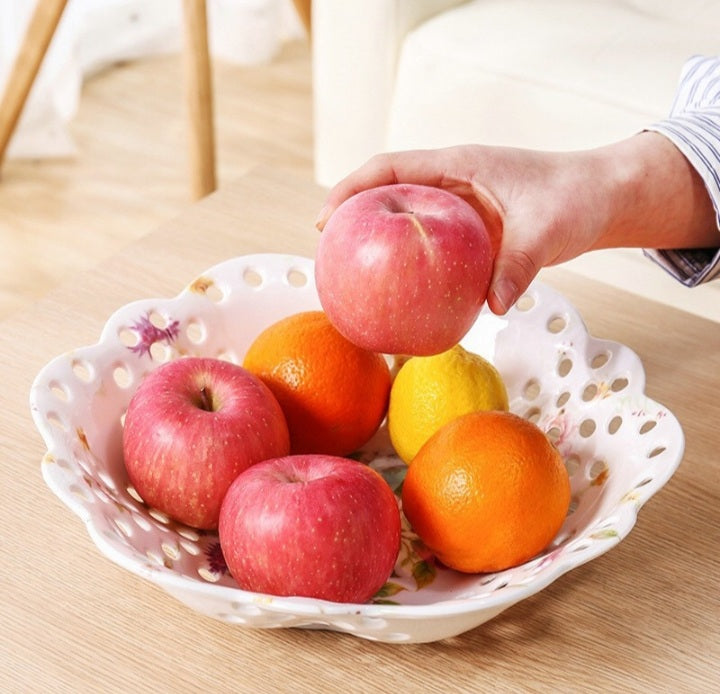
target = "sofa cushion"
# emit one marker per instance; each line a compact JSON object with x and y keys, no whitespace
{"x":557,"y":74}
{"x":683,"y":11}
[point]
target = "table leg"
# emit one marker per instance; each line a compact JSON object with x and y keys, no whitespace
{"x":198,"y":79}
{"x":39,"y":33}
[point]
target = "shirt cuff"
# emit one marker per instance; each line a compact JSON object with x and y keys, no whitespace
{"x":691,"y":266}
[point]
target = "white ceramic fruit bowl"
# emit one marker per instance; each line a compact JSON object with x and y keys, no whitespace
{"x":587,"y":394}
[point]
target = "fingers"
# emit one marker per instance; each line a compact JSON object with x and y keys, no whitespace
{"x":513,"y":272}
{"x":518,"y":257}
{"x":414,"y":166}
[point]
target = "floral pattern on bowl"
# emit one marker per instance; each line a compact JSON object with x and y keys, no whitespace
{"x":620,"y":448}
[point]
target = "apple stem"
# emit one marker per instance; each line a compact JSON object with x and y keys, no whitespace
{"x":206,"y":402}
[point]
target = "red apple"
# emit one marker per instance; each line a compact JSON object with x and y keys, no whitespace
{"x":311,"y":525}
{"x":191,"y":428}
{"x":404,"y":269}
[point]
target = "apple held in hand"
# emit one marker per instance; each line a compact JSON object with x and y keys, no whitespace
{"x":404,"y":269}
{"x":311,"y":525}
{"x":191,"y":428}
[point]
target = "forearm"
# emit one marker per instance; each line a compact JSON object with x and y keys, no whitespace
{"x":694,"y":127}
{"x":657,"y":198}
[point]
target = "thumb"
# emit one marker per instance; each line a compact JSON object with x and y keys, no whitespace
{"x":512,"y":274}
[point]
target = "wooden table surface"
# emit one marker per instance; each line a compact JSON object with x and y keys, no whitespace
{"x":643,"y":617}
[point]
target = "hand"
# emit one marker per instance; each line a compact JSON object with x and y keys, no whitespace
{"x":533,"y":203}
{"x":543,"y":208}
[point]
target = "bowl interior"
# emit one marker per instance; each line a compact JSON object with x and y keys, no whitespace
{"x":587,"y":394}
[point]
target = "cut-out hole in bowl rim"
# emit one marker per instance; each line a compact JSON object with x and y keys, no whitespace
{"x":598,"y":469}
{"x":83,"y":370}
{"x":600,"y":360}
{"x":196,"y":331}
{"x":619,"y":384}
{"x":587,"y":428}
{"x":589,"y":392}
{"x":55,"y":420}
{"x":564,"y":367}
{"x":161,"y":352}
{"x":122,"y":376}
{"x":533,"y":414}
{"x":128,"y":337}
{"x":647,"y":426}
{"x":614,"y":424}
{"x":297,"y":278}
{"x":656,"y":451}
{"x":556,"y":324}
{"x":158,"y":319}
{"x":214,"y":293}
{"x":59,"y":390}
{"x":572,"y":464}
{"x":531,"y":389}
{"x":252,"y":278}
{"x":525,"y":303}
{"x":563,"y":399}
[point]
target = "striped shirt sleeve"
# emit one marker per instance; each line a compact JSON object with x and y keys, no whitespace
{"x":694,"y":127}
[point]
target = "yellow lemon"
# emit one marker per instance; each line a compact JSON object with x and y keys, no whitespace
{"x":429,"y":392}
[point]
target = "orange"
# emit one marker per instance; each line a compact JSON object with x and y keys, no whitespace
{"x":486,"y":492}
{"x":333,"y":393}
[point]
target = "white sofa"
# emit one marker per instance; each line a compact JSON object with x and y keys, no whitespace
{"x":547,"y":74}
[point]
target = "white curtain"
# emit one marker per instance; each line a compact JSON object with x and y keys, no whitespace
{"x":94,"y":34}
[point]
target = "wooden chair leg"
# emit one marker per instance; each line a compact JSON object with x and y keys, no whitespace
{"x":39,"y":33}
{"x":304,"y":10}
{"x":198,"y":80}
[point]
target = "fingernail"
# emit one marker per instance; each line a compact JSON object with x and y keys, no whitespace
{"x":505,"y":291}
{"x":322,"y":217}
